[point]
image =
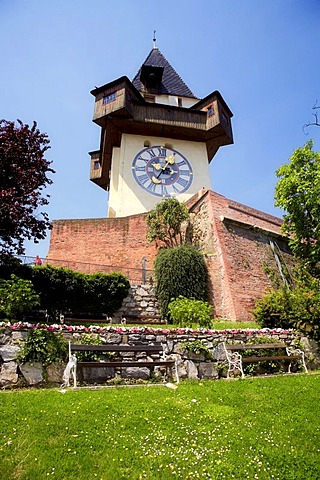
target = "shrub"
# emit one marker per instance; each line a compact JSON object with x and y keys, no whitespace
{"x":43,"y":346}
{"x":17,"y":296}
{"x":180,"y":271}
{"x":198,"y":347}
{"x":275,"y":309}
{"x":296,"y":308}
{"x":89,"y":339}
{"x":60,"y":289}
{"x":106,"y":292}
{"x":185,"y":312}
{"x":63,"y":290}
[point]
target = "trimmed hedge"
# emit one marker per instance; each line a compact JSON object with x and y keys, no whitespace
{"x":64,"y":290}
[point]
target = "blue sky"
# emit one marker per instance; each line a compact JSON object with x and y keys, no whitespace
{"x":262,"y":55}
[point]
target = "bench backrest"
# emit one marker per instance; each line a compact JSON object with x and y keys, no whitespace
{"x":258,"y":346}
{"x":157,"y":347}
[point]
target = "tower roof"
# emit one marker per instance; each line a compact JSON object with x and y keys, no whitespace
{"x":171,"y":83}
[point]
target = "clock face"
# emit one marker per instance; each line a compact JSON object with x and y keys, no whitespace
{"x":161,"y":171}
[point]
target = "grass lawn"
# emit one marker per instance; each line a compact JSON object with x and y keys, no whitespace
{"x":256,"y":428}
{"x":216,"y":325}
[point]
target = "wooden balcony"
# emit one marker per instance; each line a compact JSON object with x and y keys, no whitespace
{"x":119,"y":108}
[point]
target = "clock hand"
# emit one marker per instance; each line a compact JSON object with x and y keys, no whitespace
{"x":169,"y":160}
{"x":156,"y":180}
{"x":157,"y":166}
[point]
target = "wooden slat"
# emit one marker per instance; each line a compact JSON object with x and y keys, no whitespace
{"x":271,"y":358}
{"x":261,"y":346}
{"x":116,"y":348}
{"x":147,"y":363}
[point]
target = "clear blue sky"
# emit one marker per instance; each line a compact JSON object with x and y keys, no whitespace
{"x":262,"y":55}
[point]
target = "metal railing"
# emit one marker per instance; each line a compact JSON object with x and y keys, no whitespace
{"x":135,"y":275}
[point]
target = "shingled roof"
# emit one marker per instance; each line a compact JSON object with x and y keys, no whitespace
{"x":171,"y":84}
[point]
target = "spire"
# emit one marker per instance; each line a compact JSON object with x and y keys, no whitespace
{"x":170,"y":82}
{"x":154,"y":39}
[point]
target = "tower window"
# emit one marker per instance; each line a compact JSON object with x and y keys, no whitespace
{"x":109,"y":98}
{"x":179,"y":102}
{"x":210,"y":111}
{"x":150,"y":98}
{"x":96,"y":165}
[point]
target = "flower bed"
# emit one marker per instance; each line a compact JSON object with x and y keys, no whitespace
{"x":142,"y":329}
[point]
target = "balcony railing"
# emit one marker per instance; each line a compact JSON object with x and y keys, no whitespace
{"x":136,"y":276}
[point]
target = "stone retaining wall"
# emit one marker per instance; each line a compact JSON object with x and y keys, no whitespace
{"x":140,"y":305}
{"x":190,"y":365}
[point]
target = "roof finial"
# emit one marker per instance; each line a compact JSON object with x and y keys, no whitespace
{"x":154,"y":39}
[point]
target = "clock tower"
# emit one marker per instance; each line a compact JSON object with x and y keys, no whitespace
{"x":157,"y":137}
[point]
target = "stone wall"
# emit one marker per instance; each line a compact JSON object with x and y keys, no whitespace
{"x":140,"y":306}
{"x":190,"y":365}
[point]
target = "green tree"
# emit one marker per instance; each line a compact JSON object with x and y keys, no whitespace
{"x":298,"y":193}
{"x":180,"y":271}
{"x":17,"y":296}
{"x":165,"y":222}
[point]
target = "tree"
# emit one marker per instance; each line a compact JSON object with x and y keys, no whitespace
{"x":298,"y":193}
{"x":316,"y":122}
{"x":23,"y":177}
{"x":165,"y":222}
{"x":17,"y":296}
{"x":180,"y":271}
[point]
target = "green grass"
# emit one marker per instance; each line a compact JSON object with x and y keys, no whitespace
{"x":259,"y":428}
{"x":224,"y":324}
{"x":216,"y":325}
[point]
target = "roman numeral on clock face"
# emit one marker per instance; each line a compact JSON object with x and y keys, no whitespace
{"x":164,"y":190}
{"x":181,"y":163}
{"x":142,"y":159}
{"x":152,"y":187}
{"x":182,"y":182}
{"x":151,"y":153}
{"x":143,"y":178}
{"x":162,"y":152}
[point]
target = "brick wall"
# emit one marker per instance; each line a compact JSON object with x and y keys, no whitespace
{"x":236,"y":241}
{"x":234,"y":238}
{"x":119,"y":242}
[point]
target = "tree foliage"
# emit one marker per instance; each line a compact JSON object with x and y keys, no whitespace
{"x":298,"y":307}
{"x":298,"y":193}
{"x":187,"y":312}
{"x":17,"y":296}
{"x":165,"y":222}
{"x":43,"y":346}
{"x":23,"y":177}
{"x":180,"y":271}
{"x":63,"y":290}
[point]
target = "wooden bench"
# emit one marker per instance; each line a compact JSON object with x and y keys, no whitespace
{"x":235,"y":359}
{"x":151,"y":349}
{"x":142,"y":319}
